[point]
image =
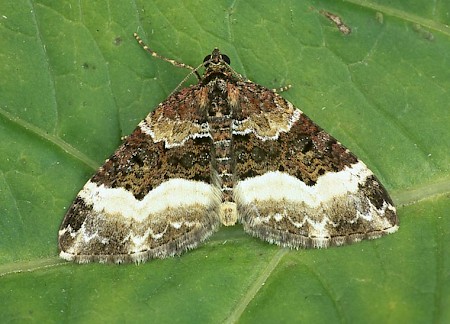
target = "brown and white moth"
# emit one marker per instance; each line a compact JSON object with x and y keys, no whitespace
{"x":222,"y":151}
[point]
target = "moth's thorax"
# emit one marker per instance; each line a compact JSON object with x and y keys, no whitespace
{"x":219,"y":100}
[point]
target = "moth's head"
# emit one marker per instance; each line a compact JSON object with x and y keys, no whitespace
{"x":216,"y":62}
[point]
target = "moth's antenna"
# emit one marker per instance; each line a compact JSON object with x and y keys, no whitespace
{"x":173,"y":62}
{"x":194,"y":71}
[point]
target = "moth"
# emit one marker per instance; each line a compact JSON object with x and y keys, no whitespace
{"x":222,"y":151}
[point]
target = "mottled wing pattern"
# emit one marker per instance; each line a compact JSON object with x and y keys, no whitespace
{"x":223,"y":150}
{"x":295,"y":185}
{"x":154,"y":197}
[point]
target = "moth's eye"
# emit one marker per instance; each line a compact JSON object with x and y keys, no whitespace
{"x":207,"y":58}
{"x":226,"y":58}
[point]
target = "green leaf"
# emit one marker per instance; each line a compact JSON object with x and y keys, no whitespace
{"x":73,"y":81}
